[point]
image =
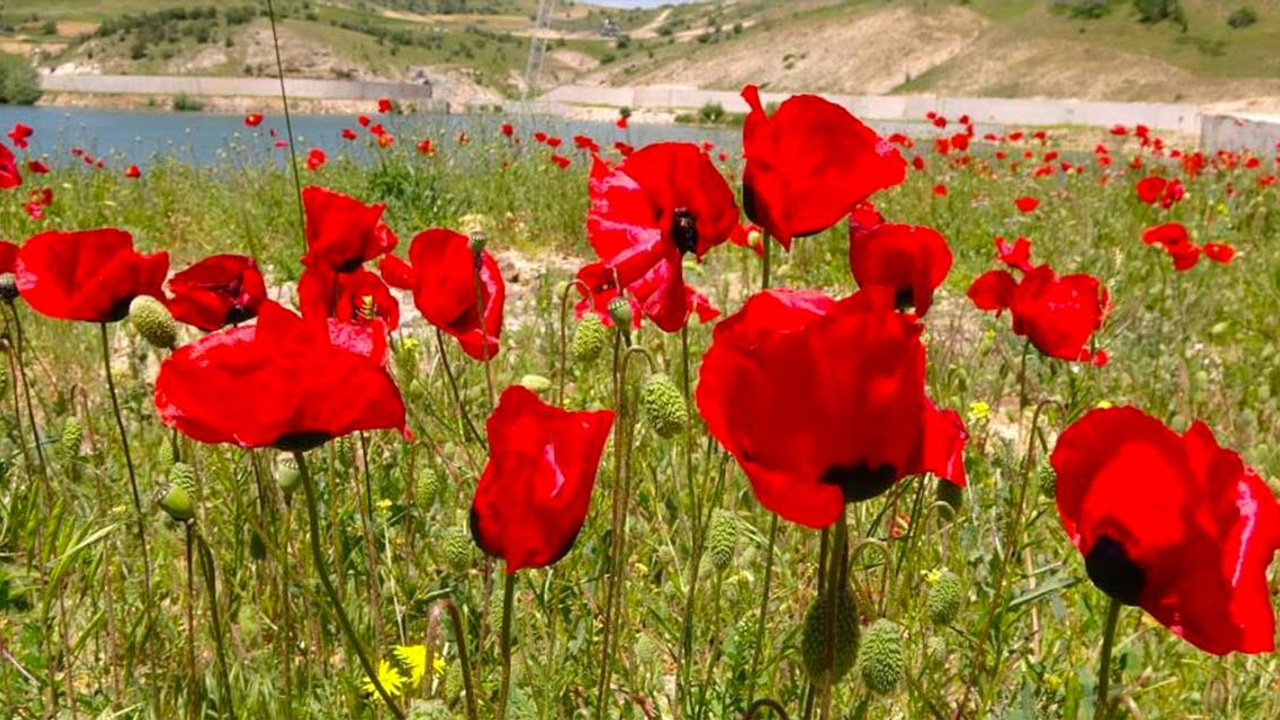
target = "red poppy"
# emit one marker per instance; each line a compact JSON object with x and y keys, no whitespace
{"x":282,"y":144}
{"x":908,"y":259}
{"x":10,"y":177}
{"x":132,"y":172}
{"x":917,"y":162}
{"x":444,"y":290}
{"x":384,"y":106}
{"x":582,"y":142}
{"x":823,"y":402}
{"x":377,"y":129}
{"x":1176,"y":241}
{"x":1219,"y":252}
{"x":621,"y":122}
{"x":253,"y":120}
{"x":533,"y":497}
{"x":1174,"y":524}
{"x":219,"y":290}
{"x":663,"y":202}
{"x":8,"y":256}
{"x":1119,"y":130}
{"x":342,"y":232}
{"x":554,"y":142}
{"x":601,"y":290}
{"x":940,"y":190}
{"x":90,"y":275}
{"x":426,"y":147}
{"x":19,"y":134}
{"x":1026,"y":204}
{"x":355,"y":297}
{"x":363,"y":120}
{"x":809,"y":164}
{"x":396,"y":272}
{"x":1058,"y":314}
{"x":280,"y":383}
{"x":508,"y":129}
{"x":349,"y":134}
{"x":624,"y":149}
{"x":540,"y":136}
{"x":316,"y":159}
{"x":561,"y":161}
{"x":37,"y":167}
{"x":1017,"y":255}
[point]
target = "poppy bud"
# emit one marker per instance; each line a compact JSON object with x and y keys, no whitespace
{"x":287,"y":474}
{"x":179,"y":500}
{"x":8,"y":287}
{"x":882,"y":662}
{"x":153,"y":321}
{"x":1048,"y":480}
{"x":72,"y":434}
{"x":589,"y":338}
{"x":620,"y":311}
{"x":477,"y":242}
{"x":813,"y":637}
{"x":952,"y":495}
{"x":722,"y":539}
{"x":458,"y":548}
{"x":430,"y":487}
{"x":944,"y":599}
{"x":536,"y":383}
{"x":663,"y":405}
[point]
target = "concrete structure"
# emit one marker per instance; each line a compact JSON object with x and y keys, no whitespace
{"x":233,"y":87}
{"x":1259,"y":134}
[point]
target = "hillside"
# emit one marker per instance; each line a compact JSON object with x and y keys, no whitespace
{"x":478,"y":49}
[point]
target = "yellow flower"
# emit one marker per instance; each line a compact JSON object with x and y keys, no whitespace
{"x":414,"y":657}
{"x":390,"y":678}
{"x":1104,"y":404}
{"x":979,"y":411}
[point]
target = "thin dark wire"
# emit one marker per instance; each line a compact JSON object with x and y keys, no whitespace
{"x":288,"y":123}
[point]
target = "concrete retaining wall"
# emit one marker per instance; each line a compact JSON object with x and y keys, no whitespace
{"x":1257,"y":133}
{"x":229,"y":86}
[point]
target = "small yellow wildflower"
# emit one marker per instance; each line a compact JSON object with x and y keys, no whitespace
{"x":390,"y":678}
{"x":1104,"y":404}
{"x":979,"y":411}
{"x":414,"y":657}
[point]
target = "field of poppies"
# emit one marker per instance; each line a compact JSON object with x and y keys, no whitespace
{"x":811,"y":424}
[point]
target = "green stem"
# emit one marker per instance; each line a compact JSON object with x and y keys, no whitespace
{"x":194,"y":705}
{"x":620,"y":438}
{"x":26,"y":390}
{"x":128,"y":461}
{"x":215,"y":617}
{"x":460,"y":639}
{"x":764,"y":606}
{"x":1102,"y":703}
{"x":835,"y":582}
{"x":465,"y":418}
{"x":308,"y":487}
{"x":508,"y":596}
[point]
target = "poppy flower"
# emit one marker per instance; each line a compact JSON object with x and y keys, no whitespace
{"x":663,"y":202}
{"x":823,"y":402}
{"x":342,"y":232}
{"x":1017,"y":255}
{"x":561,"y":161}
{"x":385,"y":106}
{"x":19,"y":135}
{"x":355,"y":297}
{"x":426,"y":147}
{"x":386,"y":140}
{"x":809,"y":164}
{"x":37,"y":167}
{"x":940,"y":190}
{"x":533,"y":497}
{"x":624,"y":149}
{"x":280,"y":383}
{"x":10,"y":177}
{"x":444,"y":290}
{"x":910,"y":260}
{"x":349,"y":134}
{"x":540,"y":136}
{"x":396,"y":272}
{"x":554,"y":142}
{"x":1173,"y":523}
{"x":91,"y":275}
{"x":363,"y":120}
{"x":601,"y":289}
{"x":1026,"y":204}
{"x":132,"y":172}
{"x":582,"y":142}
{"x":1119,"y":130}
{"x":1176,"y":241}
{"x":219,"y":290}
{"x":508,"y":129}
{"x":621,"y":123}
{"x":8,"y":256}
{"x":316,"y":159}
{"x":253,"y":120}
{"x":1219,"y":252}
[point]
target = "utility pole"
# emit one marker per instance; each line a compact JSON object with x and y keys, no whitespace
{"x":537,"y":46}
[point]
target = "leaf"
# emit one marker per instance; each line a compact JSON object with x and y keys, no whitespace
{"x":1047,"y":589}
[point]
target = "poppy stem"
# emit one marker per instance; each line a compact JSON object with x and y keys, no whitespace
{"x":309,"y":489}
{"x":764,"y":605}
{"x":564,"y":335}
{"x":26,"y":390}
{"x":766,"y":704}
{"x":835,"y":584}
{"x":17,"y":406}
{"x":128,"y":461}
{"x":215,"y":618}
{"x":764,"y":261}
{"x":288,"y":122}
{"x":460,"y":639}
{"x":1102,"y":704}
{"x":508,"y":597}
{"x":194,"y":705}
{"x":466,"y":425}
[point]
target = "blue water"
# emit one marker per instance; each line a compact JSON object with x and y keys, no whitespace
{"x":141,"y":137}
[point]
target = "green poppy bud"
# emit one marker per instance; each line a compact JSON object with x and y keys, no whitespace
{"x":431,"y":486}
{"x":153,"y":322}
{"x":882,"y":662}
{"x":590,"y":337}
{"x":536,"y":383}
{"x":1048,"y":480}
{"x":813,"y":636}
{"x":663,"y":405}
{"x":459,"y":549}
{"x":722,"y":540}
{"x":180,"y":497}
{"x":944,"y":599}
{"x":620,"y":311}
{"x":72,"y":435}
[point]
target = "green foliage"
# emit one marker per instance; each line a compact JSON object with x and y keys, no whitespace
{"x":183,"y":102}
{"x":19,"y":82}
{"x":1154,"y":11}
{"x":1083,"y":9}
{"x":1242,"y":18}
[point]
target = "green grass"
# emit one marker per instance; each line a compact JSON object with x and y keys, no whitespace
{"x":1182,"y":346}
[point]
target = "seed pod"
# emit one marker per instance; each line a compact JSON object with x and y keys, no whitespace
{"x":536,"y":383}
{"x":722,"y":539}
{"x":153,"y":322}
{"x":620,"y":311}
{"x":287,"y":474}
{"x":944,"y":599}
{"x":459,"y":549}
{"x":590,"y":336}
{"x":663,"y":405}
{"x":72,"y":435}
{"x":8,"y":287}
{"x":1048,"y":480}
{"x":431,"y":485}
{"x":882,"y":661}
{"x":179,"y":499}
{"x":813,"y":637}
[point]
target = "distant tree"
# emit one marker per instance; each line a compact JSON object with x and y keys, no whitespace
{"x":1242,"y":18}
{"x":19,"y":82}
{"x":1154,"y":11}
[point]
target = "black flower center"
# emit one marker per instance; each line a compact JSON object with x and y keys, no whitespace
{"x":120,"y":310}
{"x":239,"y":313}
{"x":302,"y":441}
{"x":1110,"y":568}
{"x":903,"y":299}
{"x":684,"y":231}
{"x":860,"y":482}
{"x":351,"y":265}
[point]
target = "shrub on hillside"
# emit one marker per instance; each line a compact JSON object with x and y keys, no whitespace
{"x":1242,"y":18}
{"x":1082,"y":9}
{"x":1154,"y":11}
{"x":19,"y":82}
